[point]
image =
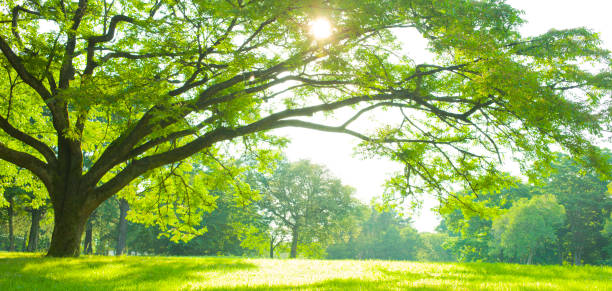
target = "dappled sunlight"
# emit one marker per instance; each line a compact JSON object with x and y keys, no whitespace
{"x":34,"y":272}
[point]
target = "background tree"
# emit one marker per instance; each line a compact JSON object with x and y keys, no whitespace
{"x":382,"y":235}
{"x":431,"y":248}
{"x":528,"y":227}
{"x":469,"y":227}
{"x":607,"y":233}
{"x":122,"y":227}
{"x":587,"y":204}
{"x":143,"y":86}
{"x":306,"y":200}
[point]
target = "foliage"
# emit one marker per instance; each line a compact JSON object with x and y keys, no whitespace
{"x":587,"y":204}
{"x":223,"y":236}
{"x":384,"y":235}
{"x":431,"y":248}
{"x":529,"y":227}
{"x":470,"y":230}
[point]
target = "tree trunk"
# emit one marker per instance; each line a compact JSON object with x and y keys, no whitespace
{"x":271,"y":248}
{"x":530,"y":258}
{"x":25,"y":241}
{"x":37,"y":215}
{"x":87,"y":247}
{"x":577,"y":256}
{"x":10,"y":222}
{"x":294,"y":243}
{"x":122,"y":227}
{"x":67,"y":231}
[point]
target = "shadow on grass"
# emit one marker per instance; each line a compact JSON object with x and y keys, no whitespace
{"x":172,"y":273}
{"x":108,"y":273}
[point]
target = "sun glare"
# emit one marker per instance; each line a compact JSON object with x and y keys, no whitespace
{"x":320,"y":28}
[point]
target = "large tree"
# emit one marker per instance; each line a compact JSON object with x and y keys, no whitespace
{"x":141,"y":86}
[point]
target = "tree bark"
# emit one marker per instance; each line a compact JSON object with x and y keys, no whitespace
{"x":578,"y":256}
{"x":25,"y":240}
{"x":10,"y":222}
{"x":271,"y":249}
{"x":67,"y":231}
{"x":294,"y":243}
{"x":87,"y":247}
{"x":530,"y":257}
{"x":122,"y":227}
{"x":36,"y":215}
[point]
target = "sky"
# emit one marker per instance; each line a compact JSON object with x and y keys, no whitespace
{"x":367,"y":176}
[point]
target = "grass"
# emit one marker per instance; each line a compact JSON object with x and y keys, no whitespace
{"x":35,"y":272}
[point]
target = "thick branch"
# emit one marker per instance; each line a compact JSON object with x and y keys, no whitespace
{"x":26,"y":76}
{"x":67,"y":70}
{"x":25,"y":138}
{"x":110,"y":34}
{"x":119,"y":150}
{"x":27,"y":161}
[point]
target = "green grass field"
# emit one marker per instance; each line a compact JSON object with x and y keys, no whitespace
{"x":34,"y":272}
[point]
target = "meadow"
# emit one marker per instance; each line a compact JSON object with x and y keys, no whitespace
{"x":35,"y":272}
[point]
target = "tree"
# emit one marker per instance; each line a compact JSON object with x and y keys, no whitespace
{"x":431,"y":248}
{"x":9,"y":195}
{"x":607,"y":232}
{"x":307,"y":201}
{"x":469,"y":227}
{"x":527,"y":228}
{"x":37,"y":214}
{"x":587,"y":204}
{"x":146,"y":88}
{"x":382,"y":235}
{"x":122,"y":227}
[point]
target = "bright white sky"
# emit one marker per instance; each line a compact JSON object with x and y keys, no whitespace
{"x":367,"y":176}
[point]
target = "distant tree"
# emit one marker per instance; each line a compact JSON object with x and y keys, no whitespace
{"x":607,"y":233}
{"x":382,"y":235}
{"x":9,"y":195}
{"x":528,"y":227}
{"x":469,"y":228}
{"x":306,"y":200}
{"x":431,"y":248}
{"x":385,"y":235}
{"x":587,"y":204}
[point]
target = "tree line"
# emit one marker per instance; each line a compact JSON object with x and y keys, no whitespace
{"x":302,"y":210}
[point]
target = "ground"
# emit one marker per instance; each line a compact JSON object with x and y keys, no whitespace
{"x":35,"y":272}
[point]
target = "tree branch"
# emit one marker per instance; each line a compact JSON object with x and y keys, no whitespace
{"x":67,"y":70}
{"x":25,"y":138}
{"x":29,"y":162}
{"x":108,"y":36}
{"x":26,"y":76}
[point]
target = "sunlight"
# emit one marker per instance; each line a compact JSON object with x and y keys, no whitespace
{"x":320,"y":28}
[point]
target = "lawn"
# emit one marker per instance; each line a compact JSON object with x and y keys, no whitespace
{"x":34,"y":272}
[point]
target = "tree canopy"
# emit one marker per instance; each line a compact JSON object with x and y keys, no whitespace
{"x":148,"y":89}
